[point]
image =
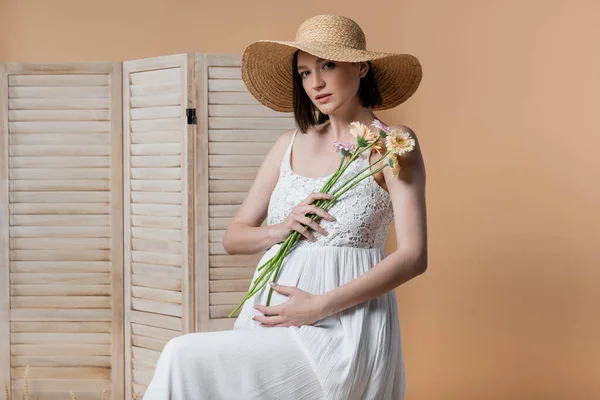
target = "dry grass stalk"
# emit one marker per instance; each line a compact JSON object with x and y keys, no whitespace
{"x":25,"y":394}
{"x":26,"y":389}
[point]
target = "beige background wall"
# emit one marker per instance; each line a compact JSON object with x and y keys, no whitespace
{"x":507,"y":119}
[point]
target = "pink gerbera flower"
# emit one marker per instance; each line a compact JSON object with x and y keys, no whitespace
{"x":344,"y":145}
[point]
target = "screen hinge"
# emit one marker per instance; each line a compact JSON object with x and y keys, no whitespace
{"x":191,"y":116}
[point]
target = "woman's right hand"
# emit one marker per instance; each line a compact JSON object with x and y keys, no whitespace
{"x":298,"y":216}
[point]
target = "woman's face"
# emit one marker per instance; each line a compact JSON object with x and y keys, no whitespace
{"x":338,"y":80}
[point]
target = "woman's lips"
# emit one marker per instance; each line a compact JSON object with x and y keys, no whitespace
{"x":324,"y":99}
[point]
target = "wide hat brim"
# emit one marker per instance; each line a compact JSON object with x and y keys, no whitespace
{"x":267,"y":71}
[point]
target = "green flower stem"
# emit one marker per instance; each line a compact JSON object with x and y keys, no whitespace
{"x":333,"y":177}
{"x":337,"y":196}
{"x":358,"y":181}
{"x":361,"y":171}
{"x":257,"y":284}
{"x":255,"y":288}
{"x":269,"y":264}
{"x":326,"y":187}
{"x":295,"y":235}
{"x":276,"y":259}
{"x":273,"y":265}
{"x":271,"y":289}
{"x":279,"y":251}
{"x":330,"y":202}
{"x":340,"y":171}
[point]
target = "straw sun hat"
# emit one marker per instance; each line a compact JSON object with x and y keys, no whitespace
{"x":267,"y":64}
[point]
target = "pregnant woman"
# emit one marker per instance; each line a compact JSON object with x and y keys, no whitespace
{"x":331,"y":330}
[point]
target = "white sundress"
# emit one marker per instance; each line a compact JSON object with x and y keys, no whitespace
{"x":355,"y":354}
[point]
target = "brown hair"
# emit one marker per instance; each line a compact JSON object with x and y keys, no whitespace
{"x":305,"y":112}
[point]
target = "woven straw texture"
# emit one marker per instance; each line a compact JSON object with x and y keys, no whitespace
{"x":267,"y":64}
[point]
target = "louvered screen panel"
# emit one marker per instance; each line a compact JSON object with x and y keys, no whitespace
{"x":158,"y":209}
{"x":235,"y":134}
{"x":61,"y":146}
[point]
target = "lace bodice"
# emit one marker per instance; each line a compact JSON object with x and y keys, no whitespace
{"x":363,"y":213}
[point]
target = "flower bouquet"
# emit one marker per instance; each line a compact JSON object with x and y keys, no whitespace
{"x":395,"y":142}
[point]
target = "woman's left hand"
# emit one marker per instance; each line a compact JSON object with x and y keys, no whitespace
{"x":302,"y":308}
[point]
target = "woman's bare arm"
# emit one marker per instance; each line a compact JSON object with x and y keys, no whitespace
{"x":245,"y":235}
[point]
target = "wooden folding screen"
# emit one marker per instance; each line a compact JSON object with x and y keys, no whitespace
{"x":159,"y":171}
{"x":117,"y":182}
{"x":235,"y":133}
{"x":61,"y":236}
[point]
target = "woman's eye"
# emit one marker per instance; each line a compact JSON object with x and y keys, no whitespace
{"x":329,"y":63}
{"x":302,"y":74}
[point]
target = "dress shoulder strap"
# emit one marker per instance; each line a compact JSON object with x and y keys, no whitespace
{"x":289,"y":149}
{"x":286,"y":158}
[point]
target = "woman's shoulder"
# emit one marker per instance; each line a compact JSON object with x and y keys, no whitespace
{"x":285,"y":137}
{"x":279,"y":147}
{"x":400,"y":127}
{"x":283,"y":140}
{"x":405,"y":128}
{"x":312,"y":133}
